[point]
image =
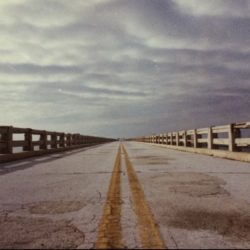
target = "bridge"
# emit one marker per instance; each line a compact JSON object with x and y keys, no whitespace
{"x":185,"y":189}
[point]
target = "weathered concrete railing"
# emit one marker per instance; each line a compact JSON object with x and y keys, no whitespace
{"x":38,"y":142}
{"x":232,"y":138}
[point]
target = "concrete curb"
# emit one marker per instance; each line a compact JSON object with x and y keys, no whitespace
{"x":237,"y":156}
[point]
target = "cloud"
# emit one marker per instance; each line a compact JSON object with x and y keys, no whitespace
{"x":124,"y":68}
{"x":233,"y":8}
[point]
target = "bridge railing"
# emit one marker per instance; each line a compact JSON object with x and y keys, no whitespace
{"x":233,"y":138}
{"x":17,"y":143}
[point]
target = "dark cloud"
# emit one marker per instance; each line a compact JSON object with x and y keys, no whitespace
{"x":28,"y":68}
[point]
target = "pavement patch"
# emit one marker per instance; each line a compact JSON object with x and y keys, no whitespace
{"x":38,"y":233}
{"x":187,"y":178}
{"x":55,"y":207}
{"x":198,"y":190}
{"x":191,"y":184}
{"x":151,"y":160}
{"x":224,"y":223}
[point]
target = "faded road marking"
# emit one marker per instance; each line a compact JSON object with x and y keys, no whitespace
{"x":109,"y":234}
{"x":149,"y":233}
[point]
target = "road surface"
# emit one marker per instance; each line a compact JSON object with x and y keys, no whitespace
{"x":125,"y":195}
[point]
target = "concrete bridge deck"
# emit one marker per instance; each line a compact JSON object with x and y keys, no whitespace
{"x":136,"y":196}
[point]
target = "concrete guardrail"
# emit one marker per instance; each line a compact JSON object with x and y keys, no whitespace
{"x":229,"y":141}
{"x":38,"y":142}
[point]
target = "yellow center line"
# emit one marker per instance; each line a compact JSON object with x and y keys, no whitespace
{"x":148,"y":230}
{"x":109,"y":234}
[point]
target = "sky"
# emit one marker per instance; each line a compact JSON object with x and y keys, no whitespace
{"x":124,"y":68}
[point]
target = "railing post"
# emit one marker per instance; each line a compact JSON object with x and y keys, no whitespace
{"x":177,"y":138}
{"x":231,"y":138}
{"x":28,"y":140}
{"x":62,"y":140}
{"x":43,"y":138}
{"x":164,"y":138}
{"x":195,"y":138}
{"x":74,"y":139}
{"x":210,"y":138}
{"x":7,"y":137}
{"x":185,"y":138}
{"x":54,"y":140}
{"x":68,"y":140}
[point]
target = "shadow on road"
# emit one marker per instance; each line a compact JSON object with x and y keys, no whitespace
{"x":7,"y":168}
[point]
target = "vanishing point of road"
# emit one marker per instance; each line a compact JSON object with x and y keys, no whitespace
{"x":125,"y":195}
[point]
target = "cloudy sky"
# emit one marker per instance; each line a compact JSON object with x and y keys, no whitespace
{"x":124,"y":67}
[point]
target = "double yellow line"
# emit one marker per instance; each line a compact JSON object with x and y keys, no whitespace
{"x":110,"y":232}
{"x":109,"y":235}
